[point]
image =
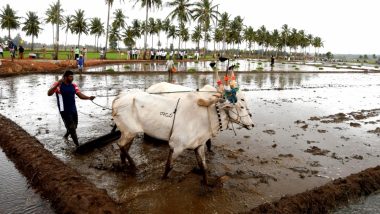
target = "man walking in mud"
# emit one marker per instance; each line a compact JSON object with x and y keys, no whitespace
{"x":65,"y":91}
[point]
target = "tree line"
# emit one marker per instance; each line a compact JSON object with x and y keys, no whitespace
{"x":226,"y":32}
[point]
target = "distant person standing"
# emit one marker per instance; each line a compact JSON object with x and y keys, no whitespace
{"x":272,"y":61}
{"x":65,"y":91}
{"x":80,"y":63}
{"x":101,"y":54}
{"x":1,"y":51}
{"x":43,"y":51}
{"x":76,"y":51}
{"x":21,"y":51}
{"x":72,"y":53}
{"x":11,"y":48}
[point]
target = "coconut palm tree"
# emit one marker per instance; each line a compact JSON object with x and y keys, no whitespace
{"x":165,"y":27}
{"x":114,"y":36}
{"x":96,"y":29}
{"x":184,"y":34}
{"x":182,"y":12}
{"x":79,"y":24}
{"x":67,"y":27}
{"x":9,"y":19}
{"x":197,"y":35}
{"x":218,"y":37}
{"x":285,"y":33}
{"x":159,"y":27}
{"x":129,"y":37}
{"x":119,"y":21}
{"x":148,"y":5}
{"x":236,"y":29}
{"x":152,"y":29}
{"x":249,"y":37}
{"x":54,"y":16}
{"x":317,"y":43}
{"x":173,"y":33}
{"x":135,"y":28}
{"x":310,"y":41}
{"x":32,"y":26}
{"x":224,"y":23}
{"x":205,"y":13}
{"x":109,"y":3}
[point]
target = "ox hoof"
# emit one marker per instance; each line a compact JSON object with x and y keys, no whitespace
{"x":197,"y":170}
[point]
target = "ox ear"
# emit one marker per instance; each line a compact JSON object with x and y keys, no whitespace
{"x":227,"y":106}
{"x":207,"y":103}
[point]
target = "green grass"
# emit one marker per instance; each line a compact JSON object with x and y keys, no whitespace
{"x":259,"y":69}
{"x":376,"y":66}
{"x":110,"y":70}
{"x":297,"y":69}
{"x":259,"y":63}
{"x":63,"y":55}
{"x":191,"y":70}
{"x":127,"y":67}
{"x":321,"y":69}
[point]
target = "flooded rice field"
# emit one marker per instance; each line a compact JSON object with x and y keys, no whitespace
{"x":241,"y":65}
{"x":16,"y":195}
{"x":310,"y":128}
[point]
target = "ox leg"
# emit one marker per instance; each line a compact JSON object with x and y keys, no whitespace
{"x":201,"y":158}
{"x":208,"y":144}
{"x":168,"y":166}
{"x":125,"y":144}
{"x":173,"y":154}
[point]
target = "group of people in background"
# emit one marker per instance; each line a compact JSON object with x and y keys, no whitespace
{"x":13,"y":50}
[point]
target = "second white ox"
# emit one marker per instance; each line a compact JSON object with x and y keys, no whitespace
{"x":186,"y":122}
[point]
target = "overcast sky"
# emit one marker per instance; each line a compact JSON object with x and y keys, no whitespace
{"x":346,"y":26}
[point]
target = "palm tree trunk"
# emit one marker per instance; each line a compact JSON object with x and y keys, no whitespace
{"x":78,"y":39}
{"x":53,"y":32}
{"x":9,"y":33}
{"x":152,"y":41}
{"x":32,"y":43}
{"x":146,"y":33}
{"x":66,"y":40}
{"x":95,"y":43}
{"x":108,"y":22}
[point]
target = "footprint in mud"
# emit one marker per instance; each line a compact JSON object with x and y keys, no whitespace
{"x":322,"y":131}
{"x":357,"y":157}
{"x":376,"y":131}
{"x":314,"y":164}
{"x":311,"y":142}
{"x":345,"y":138}
{"x":317,"y":151}
{"x":355,"y":125}
{"x":285,"y":155}
{"x":270,"y":132}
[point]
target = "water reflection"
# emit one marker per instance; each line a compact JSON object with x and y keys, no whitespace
{"x":204,"y":66}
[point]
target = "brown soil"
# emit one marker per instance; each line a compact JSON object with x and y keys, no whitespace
{"x":66,"y":189}
{"x":327,"y":197}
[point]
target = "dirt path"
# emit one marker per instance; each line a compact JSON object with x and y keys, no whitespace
{"x":327,"y":197}
{"x":67,"y":190}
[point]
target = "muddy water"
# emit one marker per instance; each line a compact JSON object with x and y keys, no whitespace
{"x":242,"y":65}
{"x":260,"y":165}
{"x":368,"y":206}
{"x":16,"y":195}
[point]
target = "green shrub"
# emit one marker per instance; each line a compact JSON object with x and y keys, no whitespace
{"x":110,"y":70}
{"x":376,"y":66}
{"x":321,"y":69}
{"x":259,"y":69}
{"x":191,"y":70}
{"x":127,"y":67}
{"x":297,"y":69}
{"x":259,"y":63}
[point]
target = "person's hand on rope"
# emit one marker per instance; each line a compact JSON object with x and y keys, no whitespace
{"x":92,"y":98}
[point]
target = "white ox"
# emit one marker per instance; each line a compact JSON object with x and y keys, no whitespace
{"x":178,"y":91}
{"x":186,"y":122}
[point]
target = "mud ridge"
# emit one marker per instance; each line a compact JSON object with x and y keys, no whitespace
{"x":65,"y":188}
{"x":328,"y":197}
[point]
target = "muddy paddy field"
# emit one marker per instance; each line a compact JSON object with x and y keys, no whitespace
{"x":310,"y":129}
